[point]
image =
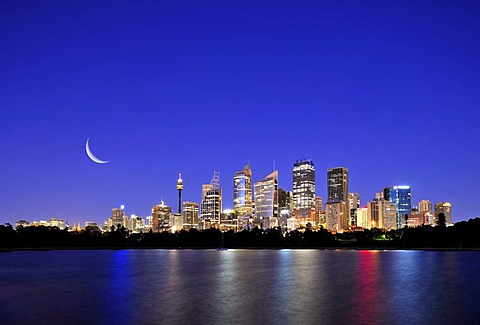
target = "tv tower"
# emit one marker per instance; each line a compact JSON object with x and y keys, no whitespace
{"x":179,"y":188}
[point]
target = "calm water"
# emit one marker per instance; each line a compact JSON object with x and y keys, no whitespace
{"x":239,"y":287}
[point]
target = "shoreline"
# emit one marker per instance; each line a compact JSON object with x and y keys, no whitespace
{"x":446,"y":249}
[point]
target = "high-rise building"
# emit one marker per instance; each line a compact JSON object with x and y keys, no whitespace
{"x":417,"y":218}
{"x":285,"y":201}
{"x":319,"y":212}
{"x":336,"y":216}
{"x":425,"y":206}
{"x":118,"y":218}
{"x":336,"y":208}
{"x":242,"y":192}
{"x":402,"y":197}
{"x":266,"y":200}
{"x":211,"y":206}
{"x":446,"y":209}
{"x":190,"y":215}
{"x":175,"y":222}
{"x":136,"y":224}
{"x":382,"y":214}
{"x":363,"y":220}
{"x":353,"y":205}
{"x":304,"y":190}
{"x":160,"y":217}
{"x":337,"y":179}
{"x":229,"y":220}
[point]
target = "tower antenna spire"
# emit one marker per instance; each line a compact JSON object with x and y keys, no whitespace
{"x":179,"y":189}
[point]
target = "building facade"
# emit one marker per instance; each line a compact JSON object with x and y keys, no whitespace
{"x":266,"y":200}
{"x":337,"y":188}
{"x":446,"y":209}
{"x":337,"y":216}
{"x":190,"y":215}
{"x":382,"y":214}
{"x":118,"y":218}
{"x":285,"y":201}
{"x":336,"y":208}
{"x":363,"y":220}
{"x":161,"y":217}
{"x":211,"y":205}
{"x":303,"y":186}
{"x":319,"y":212}
{"x":353,"y":205}
{"x":242,"y":191}
{"x":425,"y":206}
{"x":402,"y":197}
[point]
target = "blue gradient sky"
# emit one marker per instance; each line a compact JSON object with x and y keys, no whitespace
{"x":389,"y":89}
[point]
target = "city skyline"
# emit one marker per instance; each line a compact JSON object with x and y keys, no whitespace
{"x":212,"y":199}
{"x":388,"y":90}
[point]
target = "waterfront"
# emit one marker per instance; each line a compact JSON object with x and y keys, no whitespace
{"x":239,"y":287}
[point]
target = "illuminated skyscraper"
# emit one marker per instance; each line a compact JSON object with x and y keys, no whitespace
{"x":382,"y":214}
{"x":119,"y":218}
{"x":304,"y":190}
{"x":211,"y":206}
{"x":160,"y":217}
{"x":425,"y":206}
{"x":242,"y":192}
{"x":336,"y":216}
{"x":363,"y":220}
{"x":266,"y":200}
{"x":319,"y":213}
{"x":353,"y":205}
{"x":337,"y":179}
{"x":402,"y":197}
{"x":446,"y":209}
{"x":336,"y":209}
{"x":190,"y":215}
{"x":285,"y":199}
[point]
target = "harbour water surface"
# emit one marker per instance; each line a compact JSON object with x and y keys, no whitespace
{"x":239,"y":287}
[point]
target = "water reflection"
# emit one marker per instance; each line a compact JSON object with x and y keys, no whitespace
{"x":367,"y":299}
{"x":120,"y":282}
{"x":240,"y":287}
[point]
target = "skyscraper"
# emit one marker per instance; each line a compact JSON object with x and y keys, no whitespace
{"x":266,"y":200}
{"x":242,"y":192}
{"x":160,"y":217}
{"x":319,"y":213}
{"x":211,"y":206}
{"x":118,"y":218}
{"x":446,"y":209}
{"x":363,"y":220}
{"x":337,"y":179}
{"x":425,"y":206}
{"x":304,"y":190}
{"x":336,"y":210}
{"x":353,"y":205}
{"x":285,"y":200}
{"x":337,"y":216}
{"x":382,"y":214}
{"x":190,"y":215}
{"x":402,"y":197}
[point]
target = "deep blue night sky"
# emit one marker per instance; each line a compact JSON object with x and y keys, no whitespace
{"x":389,"y":89}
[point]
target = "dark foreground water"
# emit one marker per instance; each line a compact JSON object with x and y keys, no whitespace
{"x":239,"y":287}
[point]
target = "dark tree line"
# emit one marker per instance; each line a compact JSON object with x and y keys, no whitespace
{"x":463,"y":235}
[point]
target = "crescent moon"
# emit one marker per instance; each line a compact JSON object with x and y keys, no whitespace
{"x":92,"y":156}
